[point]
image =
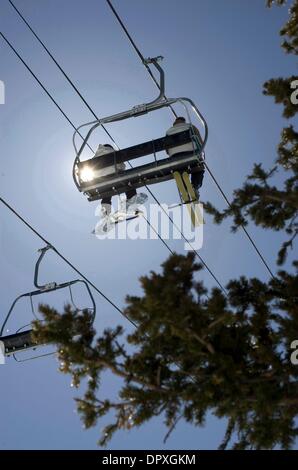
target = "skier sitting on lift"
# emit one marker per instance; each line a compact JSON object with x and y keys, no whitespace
{"x":133,"y":200}
{"x":197,"y":174}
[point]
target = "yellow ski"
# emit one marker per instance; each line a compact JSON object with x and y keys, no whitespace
{"x":192,"y":197}
{"x":185,"y":196}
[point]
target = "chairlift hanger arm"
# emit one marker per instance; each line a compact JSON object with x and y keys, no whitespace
{"x":154,"y":61}
{"x":36,"y":271}
{"x":133,"y":112}
{"x":53,"y":285}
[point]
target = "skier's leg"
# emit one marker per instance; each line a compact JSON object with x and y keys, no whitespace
{"x":104,"y":212}
{"x":197,"y":181}
{"x":106,"y":206}
{"x":133,"y":199}
{"x":131,"y":193}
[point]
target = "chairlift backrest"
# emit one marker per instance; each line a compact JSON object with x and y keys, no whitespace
{"x":138,"y":151}
{"x":18,"y":342}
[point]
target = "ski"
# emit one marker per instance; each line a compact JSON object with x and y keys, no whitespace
{"x":185,"y":196}
{"x":119,"y":216}
{"x":106,"y":224}
{"x":193,"y":198}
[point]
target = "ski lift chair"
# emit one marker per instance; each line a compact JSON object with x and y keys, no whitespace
{"x":87,"y":174}
{"x":22,"y":340}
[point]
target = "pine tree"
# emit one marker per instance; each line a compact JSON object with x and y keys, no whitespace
{"x":196,"y":351}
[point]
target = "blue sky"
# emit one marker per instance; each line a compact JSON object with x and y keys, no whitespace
{"x":219,"y":54}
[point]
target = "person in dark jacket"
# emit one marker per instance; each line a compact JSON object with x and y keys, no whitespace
{"x":197,"y":174}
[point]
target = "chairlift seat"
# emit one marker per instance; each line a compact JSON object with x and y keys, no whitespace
{"x":17,"y":342}
{"x":150,"y":173}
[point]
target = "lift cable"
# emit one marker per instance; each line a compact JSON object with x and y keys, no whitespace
{"x":208,"y":169}
{"x":151,"y":193}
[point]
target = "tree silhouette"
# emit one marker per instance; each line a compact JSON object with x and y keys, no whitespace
{"x":196,"y":351}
